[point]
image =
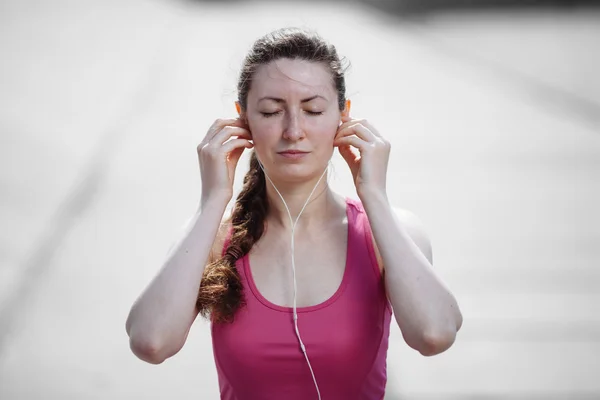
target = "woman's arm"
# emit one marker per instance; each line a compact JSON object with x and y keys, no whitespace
{"x":425,"y":309}
{"x":160,"y":319}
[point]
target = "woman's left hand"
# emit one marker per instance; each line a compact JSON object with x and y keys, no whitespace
{"x":368,"y":164}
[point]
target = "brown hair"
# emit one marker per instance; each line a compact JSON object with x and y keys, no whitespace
{"x":221,"y":291}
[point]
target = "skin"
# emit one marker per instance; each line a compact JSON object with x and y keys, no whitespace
{"x":294,"y":124}
{"x":424,"y":308}
{"x":305,"y":117}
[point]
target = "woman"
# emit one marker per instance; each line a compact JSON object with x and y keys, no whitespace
{"x":299,"y":282}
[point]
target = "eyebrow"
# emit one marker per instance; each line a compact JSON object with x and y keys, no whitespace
{"x":278,"y":100}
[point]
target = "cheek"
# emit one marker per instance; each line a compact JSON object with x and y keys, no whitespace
{"x":327,"y":133}
{"x":323,"y":142}
{"x":262,"y":131}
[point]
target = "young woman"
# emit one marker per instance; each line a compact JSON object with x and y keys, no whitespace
{"x":299,"y":282}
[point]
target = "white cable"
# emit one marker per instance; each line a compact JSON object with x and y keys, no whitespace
{"x":294,"y":265}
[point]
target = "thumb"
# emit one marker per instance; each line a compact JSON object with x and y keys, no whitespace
{"x":234,"y":156}
{"x":350,"y":157}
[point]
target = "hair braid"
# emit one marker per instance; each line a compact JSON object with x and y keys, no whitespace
{"x":221,"y":290}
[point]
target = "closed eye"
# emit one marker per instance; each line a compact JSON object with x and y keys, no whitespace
{"x":267,"y":115}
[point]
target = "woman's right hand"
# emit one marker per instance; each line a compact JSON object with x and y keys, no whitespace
{"x":218,"y":155}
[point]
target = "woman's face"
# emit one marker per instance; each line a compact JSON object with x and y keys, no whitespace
{"x":293,"y":115}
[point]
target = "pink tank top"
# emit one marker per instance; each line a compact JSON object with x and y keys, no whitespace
{"x":258,"y":356}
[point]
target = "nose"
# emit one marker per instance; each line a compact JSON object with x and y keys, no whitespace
{"x":293,"y":129}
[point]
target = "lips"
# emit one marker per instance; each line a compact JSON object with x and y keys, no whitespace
{"x":293,"y":152}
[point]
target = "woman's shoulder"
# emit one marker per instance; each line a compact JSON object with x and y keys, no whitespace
{"x":410,"y":222}
{"x":221,"y":238}
{"x":404,"y":215}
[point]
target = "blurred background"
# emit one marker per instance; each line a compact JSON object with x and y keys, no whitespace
{"x":493,"y":112}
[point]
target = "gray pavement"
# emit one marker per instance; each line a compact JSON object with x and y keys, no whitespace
{"x":493,"y":120}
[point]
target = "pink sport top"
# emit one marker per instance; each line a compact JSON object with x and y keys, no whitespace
{"x":258,"y":356}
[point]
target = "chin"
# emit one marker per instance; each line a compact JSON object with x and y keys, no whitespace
{"x":296,"y":173}
{"x":293,"y":172}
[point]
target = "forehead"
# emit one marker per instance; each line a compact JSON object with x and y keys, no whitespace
{"x":288,"y":78}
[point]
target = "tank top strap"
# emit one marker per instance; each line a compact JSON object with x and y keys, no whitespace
{"x":361,"y":229}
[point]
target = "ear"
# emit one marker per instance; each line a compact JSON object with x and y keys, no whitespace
{"x":346,"y":112}
{"x":241,"y":113}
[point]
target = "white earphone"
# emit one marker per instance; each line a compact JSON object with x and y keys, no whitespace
{"x":302,"y":347}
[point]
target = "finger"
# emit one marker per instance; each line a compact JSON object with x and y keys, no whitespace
{"x":228,"y":132}
{"x":346,"y":118}
{"x":236,"y":144}
{"x":351,"y":158}
{"x":357,"y":129}
{"x":354,"y":141}
{"x":235,"y":155}
{"x":371,"y":128}
{"x":219,"y":124}
{"x":348,"y":153}
{"x":240,"y":122}
{"x":346,"y":121}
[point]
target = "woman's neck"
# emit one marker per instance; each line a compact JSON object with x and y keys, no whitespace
{"x":318,"y":209}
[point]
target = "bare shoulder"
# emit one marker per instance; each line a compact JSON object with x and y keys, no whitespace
{"x":219,"y":242}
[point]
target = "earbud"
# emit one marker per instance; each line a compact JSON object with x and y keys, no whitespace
{"x":346,"y":110}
